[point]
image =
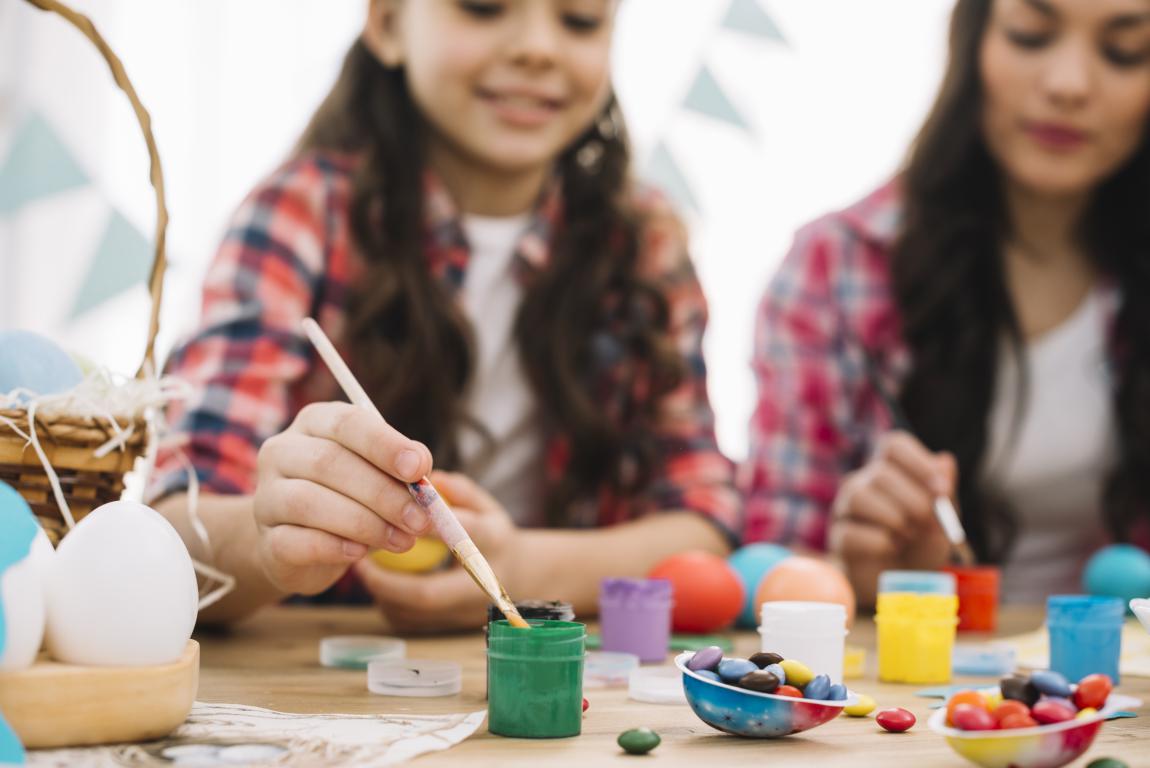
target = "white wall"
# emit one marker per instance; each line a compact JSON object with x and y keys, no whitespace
{"x":230,"y":84}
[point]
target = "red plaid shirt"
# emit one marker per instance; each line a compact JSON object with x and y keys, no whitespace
{"x":289,"y":254}
{"x":818,"y":416}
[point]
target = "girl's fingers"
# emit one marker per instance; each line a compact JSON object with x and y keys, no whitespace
{"x":914,"y":459}
{"x":329,"y":464}
{"x":912,"y":497}
{"x":863,"y":541}
{"x":300,"y":547}
{"x":368,"y":435}
{"x":304,"y":504}
{"x":865,"y":503}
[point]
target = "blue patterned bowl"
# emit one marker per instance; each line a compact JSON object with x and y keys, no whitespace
{"x":740,"y":712}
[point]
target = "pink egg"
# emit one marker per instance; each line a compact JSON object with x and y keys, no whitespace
{"x":804,"y":578}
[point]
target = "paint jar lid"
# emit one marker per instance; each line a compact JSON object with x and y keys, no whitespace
{"x":917,"y":582}
{"x":608,"y":669}
{"x":983,"y":660}
{"x":656,"y":685}
{"x":1091,"y":609}
{"x":635,"y":591}
{"x":792,"y":617}
{"x":396,"y":677}
{"x":355,"y":651}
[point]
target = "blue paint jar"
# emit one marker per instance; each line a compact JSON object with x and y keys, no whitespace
{"x":1085,"y":635}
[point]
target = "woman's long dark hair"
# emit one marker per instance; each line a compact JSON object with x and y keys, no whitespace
{"x":413,"y":347}
{"x":950,"y":287}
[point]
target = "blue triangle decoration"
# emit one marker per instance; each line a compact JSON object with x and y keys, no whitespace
{"x":664,"y":172}
{"x":748,"y":17}
{"x":38,"y":165}
{"x":706,"y":97}
{"x":121,"y":262}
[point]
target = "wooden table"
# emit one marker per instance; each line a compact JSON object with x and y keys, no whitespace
{"x":272,"y":661}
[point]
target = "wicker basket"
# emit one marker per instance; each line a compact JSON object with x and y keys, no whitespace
{"x":70,"y":442}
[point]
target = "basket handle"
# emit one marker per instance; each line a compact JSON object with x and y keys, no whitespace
{"x":159,"y":261}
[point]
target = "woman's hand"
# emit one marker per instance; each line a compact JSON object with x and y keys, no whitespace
{"x":330,"y":487}
{"x":883,"y":516}
{"x":449,"y":599}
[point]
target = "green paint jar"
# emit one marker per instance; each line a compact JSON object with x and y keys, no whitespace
{"x":535,"y":679}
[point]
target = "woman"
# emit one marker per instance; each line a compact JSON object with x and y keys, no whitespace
{"x":995,"y":288}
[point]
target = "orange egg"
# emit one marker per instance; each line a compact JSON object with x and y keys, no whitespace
{"x":707,"y":591}
{"x":804,"y":578}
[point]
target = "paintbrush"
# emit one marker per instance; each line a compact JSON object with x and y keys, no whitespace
{"x":446,"y":523}
{"x":943,"y":507}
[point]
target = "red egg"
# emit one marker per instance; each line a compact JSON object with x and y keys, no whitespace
{"x":707,"y":592}
{"x":804,"y":578}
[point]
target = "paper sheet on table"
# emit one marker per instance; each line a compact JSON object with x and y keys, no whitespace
{"x":232,"y":734}
{"x":1033,"y":650}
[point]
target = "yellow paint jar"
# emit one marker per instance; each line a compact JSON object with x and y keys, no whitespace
{"x":428,"y":554}
{"x":915,"y":636}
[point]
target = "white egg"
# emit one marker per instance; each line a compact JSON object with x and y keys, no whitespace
{"x":122,"y":590}
{"x":25,"y":561}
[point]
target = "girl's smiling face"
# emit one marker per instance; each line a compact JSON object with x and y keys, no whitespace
{"x":504,"y":85}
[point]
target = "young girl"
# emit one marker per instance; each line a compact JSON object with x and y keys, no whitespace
{"x":996,"y":288}
{"x":460,"y":220}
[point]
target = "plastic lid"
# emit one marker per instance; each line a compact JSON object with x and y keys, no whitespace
{"x":608,"y":669}
{"x":1085,"y":608}
{"x":656,"y":685}
{"x":414,"y":678}
{"x":355,"y":651}
{"x":797,"y":617}
{"x":917,"y":582}
{"x":988,"y":660}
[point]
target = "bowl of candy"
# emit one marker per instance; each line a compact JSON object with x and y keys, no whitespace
{"x":764,"y":697}
{"x":1035,"y":721}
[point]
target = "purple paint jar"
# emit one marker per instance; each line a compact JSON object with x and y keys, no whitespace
{"x":635,"y":617}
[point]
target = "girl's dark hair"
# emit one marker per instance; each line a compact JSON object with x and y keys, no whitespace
{"x":413,"y":347}
{"x":950,"y":287}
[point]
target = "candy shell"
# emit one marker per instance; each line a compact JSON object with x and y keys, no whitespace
{"x":1092,"y":691}
{"x":638,"y":741}
{"x":789,"y":690}
{"x":818,"y":688}
{"x":1051,"y":683}
{"x":862,"y":708}
{"x":733,"y":670}
{"x":971,"y":717}
{"x":798,"y":674}
{"x":895,"y":719}
{"x":1049,"y":711}
{"x":706,"y":658}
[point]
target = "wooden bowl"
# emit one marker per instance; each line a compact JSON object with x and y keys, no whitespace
{"x":63,"y":705}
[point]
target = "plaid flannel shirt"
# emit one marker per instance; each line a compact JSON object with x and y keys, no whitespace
{"x":818,"y":416}
{"x":289,"y":254}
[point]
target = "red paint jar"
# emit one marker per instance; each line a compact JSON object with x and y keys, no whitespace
{"x":977,"y":588}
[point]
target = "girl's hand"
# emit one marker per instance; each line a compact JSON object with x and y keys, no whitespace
{"x":449,"y":599}
{"x":883,"y":516}
{"x":330,"y":487}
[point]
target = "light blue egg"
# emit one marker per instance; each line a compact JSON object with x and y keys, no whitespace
{"x":1121,"y":570}
{"x":752,"y":563}
{"x":34,"y":362}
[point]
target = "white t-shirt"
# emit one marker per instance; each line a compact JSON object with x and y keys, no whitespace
{"x":1053,"y":472}
{"x":504,"y":454}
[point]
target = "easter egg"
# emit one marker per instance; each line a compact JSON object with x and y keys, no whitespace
{"x":1121,"y":570}
{"x":427,"y":554}
{"x":807,"y":579}
{"x":34,"y":362}
{"x":25,"y":561}
{"x":707,"y":591}
{"x":752,"y":563}
{"x":122,"y":590}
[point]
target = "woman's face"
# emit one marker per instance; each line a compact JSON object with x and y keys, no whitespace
{"x":1067,"y":90}
{"x":507,"y":84}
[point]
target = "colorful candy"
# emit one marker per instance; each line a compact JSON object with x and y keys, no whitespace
{"x":638,"y":741}
{"x":797,"y":673}
{"x":760,"y":680}
{"x":1092,"y":691}
{"x":733,"y":670}
{"x":895,"y":719}
{"x":706,"y":658}
{"x":789,"y":690}
{"x":1043,"y":698}
{"x":818,"y":688}
{"x":863,"y":708}
{"x":764,"y":659}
